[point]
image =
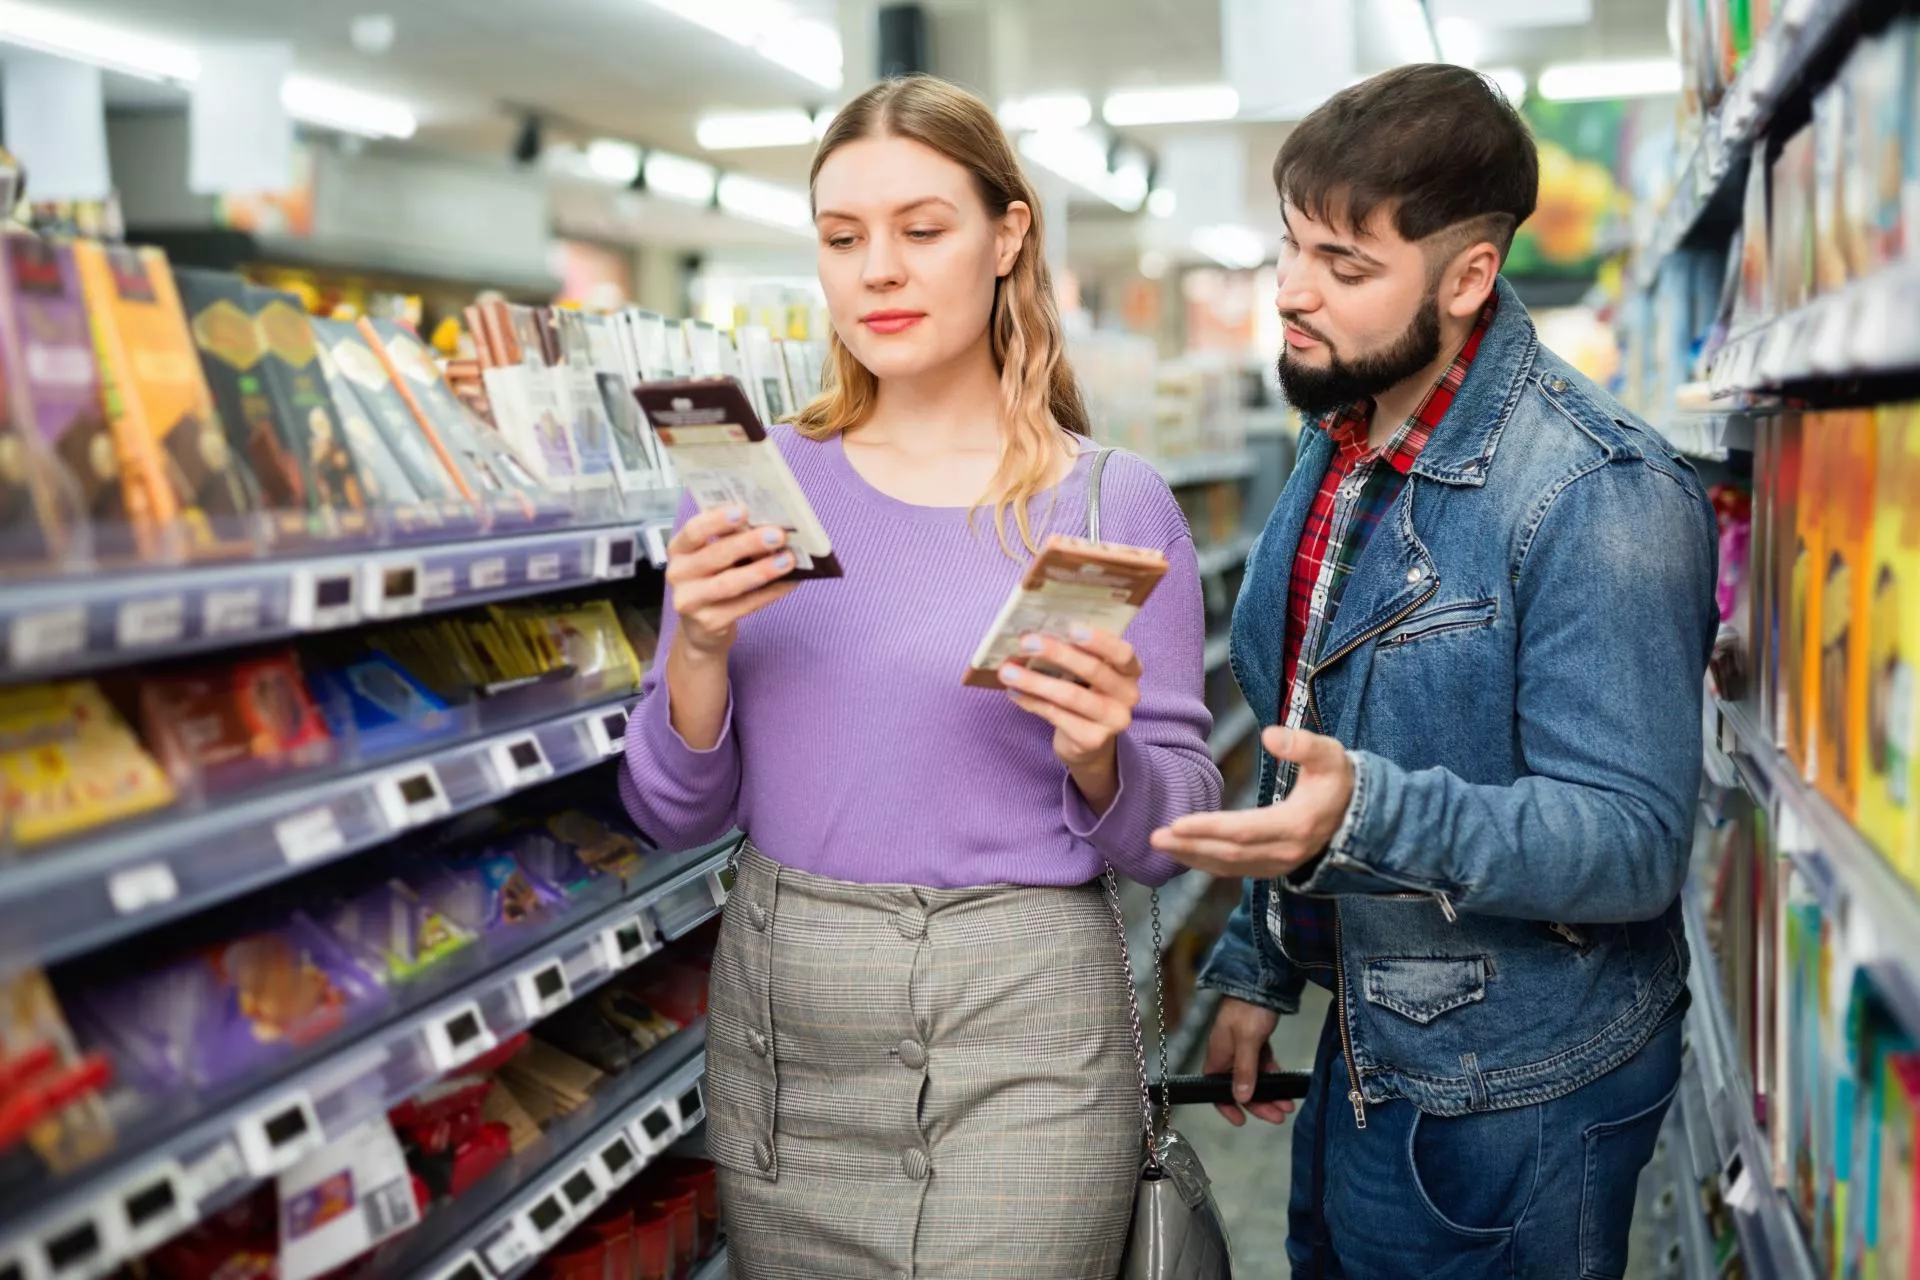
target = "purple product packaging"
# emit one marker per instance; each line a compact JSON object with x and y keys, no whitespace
{"x":555,"y":863}
{"x":487,"y":891}
{"x":392,"y":934}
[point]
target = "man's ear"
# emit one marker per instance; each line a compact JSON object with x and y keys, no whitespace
{"x":1470,"y":279}
{"x":1014,"y":225}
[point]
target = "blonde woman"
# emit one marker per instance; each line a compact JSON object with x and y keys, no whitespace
{"x":919,"y":1053}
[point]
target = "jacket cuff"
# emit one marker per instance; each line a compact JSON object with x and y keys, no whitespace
{"x":1351,"y":865}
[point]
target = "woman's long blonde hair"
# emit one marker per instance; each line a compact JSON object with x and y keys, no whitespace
{"x":1038,"y":394}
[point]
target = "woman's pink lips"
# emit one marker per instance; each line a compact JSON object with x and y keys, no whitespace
{"x":892,"y":321}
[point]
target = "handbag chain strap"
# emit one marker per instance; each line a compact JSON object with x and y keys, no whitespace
{"x":1111,"y":881}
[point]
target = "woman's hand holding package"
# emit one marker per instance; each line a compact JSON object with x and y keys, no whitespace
{"x":1087,"y":719}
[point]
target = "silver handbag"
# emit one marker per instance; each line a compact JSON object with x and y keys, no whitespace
{"x":1177,"y":1232}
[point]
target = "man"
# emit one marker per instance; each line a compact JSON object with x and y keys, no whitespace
{"x":1478,"y":621}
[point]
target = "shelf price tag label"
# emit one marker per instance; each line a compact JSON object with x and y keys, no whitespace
{"x":309,"y":835}
{"x":231,"y":613}
{"x":692,"y":1107}
{"x":158,"y":620}
{"x":584,"y":1190}
{"x":438,"y":584}
{"x":654,"y":1131}
{"x":324,"y":599}
{"x":465,"y":1267}
{"x":19,"y":1265}
{"x":412,"y":795}
{"x":543,"y":989}
{"x":36,"y":639}
{"x":153,"y":1207}
{"x":510,"y":1248}
{"x":656,"y":540}
{"x":626,"y":944}
{"x":609,"y":732}
{"x":78,"y":1249}
{"x":393,"y":588}
{"x":135,"y":889}
{"x":489,"y":574}
{"x":214,"y":1172}
{"x":277,"y":1136}
{"x":619,"y":1162}
{"x":547,"y":1220}
{"x":720,"y":884}
{"x":544,"y":567}
{"x":459,"y":1037}
{"x":615,"y":556}
{"x":521,"y":761}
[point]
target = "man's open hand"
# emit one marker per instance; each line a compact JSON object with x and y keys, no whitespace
{"x":1281,"y":838}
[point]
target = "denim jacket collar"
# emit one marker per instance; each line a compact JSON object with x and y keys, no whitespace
{"x":1463,"y":444}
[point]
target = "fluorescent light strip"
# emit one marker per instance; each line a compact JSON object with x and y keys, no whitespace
{"x":1080,"y":156}
{"x":1586,"y":81}
{"x":611,"y":160}
{"x":749,"y":129}
{"x":1046,"y":111}
{"x":679,"y":178}
{"x":1511,"y":81}
{"x":1171,"y":106}
{"x":772,"y":29}
{"x":767,"y":202}
{"x":312,"y":101}
{"x":1237,"y":247}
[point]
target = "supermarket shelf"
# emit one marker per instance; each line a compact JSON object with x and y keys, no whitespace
{"x":217,"y":1151}
{"x":1206,"y":468}
{"x":62,"y":626}
{"x":494,"y":1227}
{"x":1777,"y":67}
{"x":1233,"y":729}
{"x":1225,"y":557}
{"x":1219,"y":650}
{"x":714,"y":1268}
{"x":1880,"y":912}
{"x":1770,"y":1238}
{"x":1858,"y":331}
{"x":74,"y":897}
{"x":1695,"y":1240}
{"x":1709,"y":436}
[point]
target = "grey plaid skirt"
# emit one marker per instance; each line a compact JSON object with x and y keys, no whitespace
{"x":920,"y":1083}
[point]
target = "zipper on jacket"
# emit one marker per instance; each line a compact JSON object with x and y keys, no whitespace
{"x":1354,"y":1094}
{"x":1313,"y":703}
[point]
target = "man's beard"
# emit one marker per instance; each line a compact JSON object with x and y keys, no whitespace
{"x":1317,"y":392}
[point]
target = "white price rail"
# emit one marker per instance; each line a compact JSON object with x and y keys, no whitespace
{"x":91,"y":891}
{"x":135,"y":1200}
{"x":1859,"y":331}
{"x":86,"y":622}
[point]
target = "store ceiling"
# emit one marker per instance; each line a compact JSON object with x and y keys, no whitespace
{"x":629,"y":69}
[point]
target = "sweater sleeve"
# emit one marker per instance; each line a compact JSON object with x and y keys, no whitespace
{"x":679,"y":797}
{"x":1166,"y":764}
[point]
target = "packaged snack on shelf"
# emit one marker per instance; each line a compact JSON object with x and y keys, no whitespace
{"x":1879,"y":79}
{"x":610,"y":1030}
{"x":1756,"y":284}
{"x":50,"y":1096}
{"x":344,"y":434}
{"x":764,"y":374}
{"x":1887,"y":810}
{"x":484,"y":891}
{"x":232,"y":357}
{"x":484,"y":467}
{"x":602,"y":840}
{"x":392,"y":933}
{"x":503,"y":1109}
{"x":220,"y":1013}
{"x":174,"y":456}
{"x":219,"y":729}
{"x":1782,"y":538}
{"x":1808,"y":594}
{"x":549,"y":1082}
{"x":363,"y":376}
{"x":577,"y":386}
{"x":241,"y":1242}
{"x":1844,"y":600}
{"x":60,"y":478}
{"x":68,"y":763}
{"x":1897,"y":1247}
{"x":615,"y":375}
{"x":526,"y":401}
{"x":338,"y":490}
{"x":674,"y":984}
{"x":378,"y":705}
{"x":1792,"y":225}
{"x":1831,"y":268}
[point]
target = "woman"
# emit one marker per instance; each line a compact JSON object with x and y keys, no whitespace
{"x":919,"y":1052}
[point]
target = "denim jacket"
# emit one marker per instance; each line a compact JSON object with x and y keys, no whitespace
{"x":1516,"y":670}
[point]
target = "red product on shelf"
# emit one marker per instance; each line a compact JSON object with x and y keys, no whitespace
{"x":479,"y":1156}
{"x":654,"y":1256}
{"x":613,"y":1227}
{"x":700,"y":1177}
{"x":580,"y":1257}
{"x":442,"y":1116}
{"x":676,"y":989}
{"x":683,"y":1209}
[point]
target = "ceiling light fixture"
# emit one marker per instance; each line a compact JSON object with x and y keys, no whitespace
{"x":772,"y":29}
{"x":1081,"y":157}
{"x":1237,"y":247}
{"x":611,"y":160}
{"x":1586,"y":81}
{"x":1046,"y":111}
{"x":315,"y":102}
{"x":1171,"y":106}
{"x":1461,"y":41}
{"x":679,"y":178}
{"x":766,"y":202}
{"x":743,"y":130}
{"x":1163,"y":202}
{"x":1511,"y":81}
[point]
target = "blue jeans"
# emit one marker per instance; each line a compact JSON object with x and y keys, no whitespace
{"x":1542,"y":1191}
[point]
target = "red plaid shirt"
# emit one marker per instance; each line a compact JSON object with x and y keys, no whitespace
{"x":1354,"y":496}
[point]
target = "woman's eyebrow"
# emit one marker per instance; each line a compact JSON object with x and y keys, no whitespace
{"x":908,"y":207}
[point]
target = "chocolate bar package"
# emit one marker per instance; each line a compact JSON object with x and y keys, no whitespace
{"x":379,"y":705}
{"x":337,"y":489}
{"x":226,"y":727}
{"x":392,"y":933}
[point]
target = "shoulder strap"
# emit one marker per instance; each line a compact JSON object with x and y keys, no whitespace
{"x":1093,"y":493}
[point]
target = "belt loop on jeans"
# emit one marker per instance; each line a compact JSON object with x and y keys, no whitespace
{"x":1476,"y":1083}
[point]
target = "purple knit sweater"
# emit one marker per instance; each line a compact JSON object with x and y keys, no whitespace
{"x":853,"y":751}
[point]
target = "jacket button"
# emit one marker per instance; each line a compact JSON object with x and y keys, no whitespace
{"x":1556,"y":383}
{"x":913,"y":1055}
{"x":763,"y":1154}
{"x":912,"y":923}
{"x":758,"y":1043}
{"x":756,"y":917}
{"x":1415,"y":574}
{"x":915,"y":1165}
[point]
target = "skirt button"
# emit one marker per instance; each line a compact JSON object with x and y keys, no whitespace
{"x":915,"y":1164}
{"x":757,"y":917}
{"x":758,"y":1043}
{"x":913,"y":1055}
{"x":912,"y":923}
{"x":763,"y":1154}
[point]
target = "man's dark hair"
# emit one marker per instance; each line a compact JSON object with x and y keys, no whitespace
{"x":1440,"y":145}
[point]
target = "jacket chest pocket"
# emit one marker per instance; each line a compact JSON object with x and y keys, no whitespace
{"x":1421,"y":989}
{"x":1449,"y":618}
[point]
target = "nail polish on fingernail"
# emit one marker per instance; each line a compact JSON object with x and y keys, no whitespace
{"x":783,"y":562}
{"x":736,"y":514}
{"x":1080,"y":633}
{"x":1010,"y":675}
{"x":1032,"y":644}
{"x":771,"y":537}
